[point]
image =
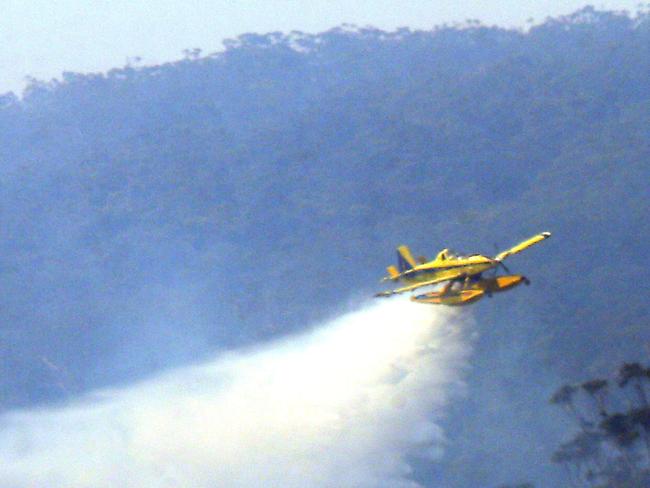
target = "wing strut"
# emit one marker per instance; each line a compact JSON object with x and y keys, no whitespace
{"x":418,"y":285}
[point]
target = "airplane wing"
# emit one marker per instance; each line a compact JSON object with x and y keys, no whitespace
{"x":522,"y":245}
{"x":420,"y":285}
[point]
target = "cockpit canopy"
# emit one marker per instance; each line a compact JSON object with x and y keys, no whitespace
{"x":446,"y":254}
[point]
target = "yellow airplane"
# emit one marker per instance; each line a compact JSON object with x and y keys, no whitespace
{"x":463,"y":274}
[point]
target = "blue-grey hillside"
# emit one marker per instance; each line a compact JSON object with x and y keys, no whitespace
{"x":149,"y":216}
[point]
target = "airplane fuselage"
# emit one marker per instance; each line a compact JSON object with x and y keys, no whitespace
{"x":443,"y":268}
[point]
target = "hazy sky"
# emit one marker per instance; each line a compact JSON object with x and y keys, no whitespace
{"x":42,"y":38}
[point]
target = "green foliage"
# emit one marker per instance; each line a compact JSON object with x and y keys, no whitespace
{"x":152,"y":215}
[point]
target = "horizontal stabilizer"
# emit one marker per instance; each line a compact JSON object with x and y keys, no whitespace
{"x":393,"y":274}
{"x":522,"y":245}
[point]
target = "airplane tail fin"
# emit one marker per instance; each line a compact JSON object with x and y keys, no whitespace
{"x":405,"y":259}
{"x":522,"y":245}
{"x":405,"y":262}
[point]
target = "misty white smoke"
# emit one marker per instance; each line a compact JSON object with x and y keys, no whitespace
{"x":341,"y":406}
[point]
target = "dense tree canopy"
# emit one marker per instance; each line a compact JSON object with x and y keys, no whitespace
{"x":161,"y":213}
{"x":612,"y":446}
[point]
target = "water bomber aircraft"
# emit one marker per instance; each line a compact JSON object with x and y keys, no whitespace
{"x":464,"y":276}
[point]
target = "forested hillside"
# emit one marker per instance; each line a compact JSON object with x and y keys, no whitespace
{"x":149,"y":216}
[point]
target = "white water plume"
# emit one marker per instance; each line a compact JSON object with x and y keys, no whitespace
{"x":341,"y":406}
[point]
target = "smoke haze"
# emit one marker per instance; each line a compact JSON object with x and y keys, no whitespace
{"x":343,"y":405}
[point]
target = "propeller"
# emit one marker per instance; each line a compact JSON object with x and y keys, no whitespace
{"x":507,"y":270}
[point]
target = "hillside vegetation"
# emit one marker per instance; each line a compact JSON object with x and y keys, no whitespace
{"x":149,"y":216}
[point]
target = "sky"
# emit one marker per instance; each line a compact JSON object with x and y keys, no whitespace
{"x":43,"y":38}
